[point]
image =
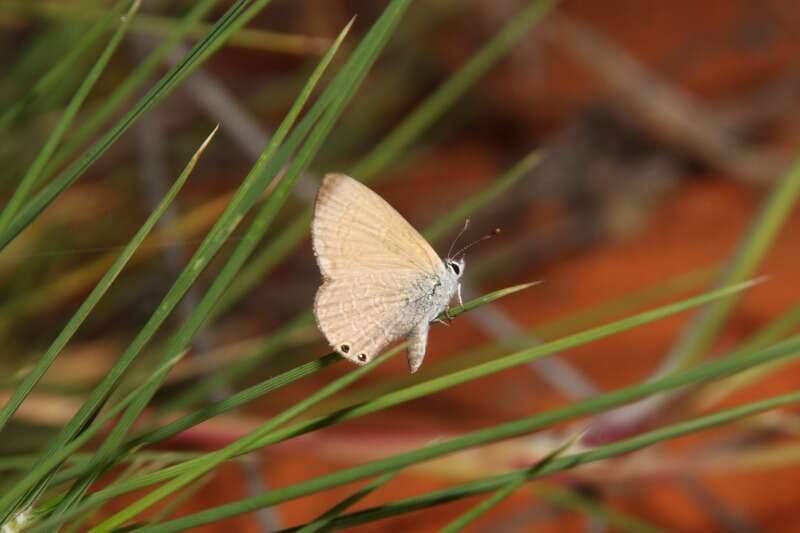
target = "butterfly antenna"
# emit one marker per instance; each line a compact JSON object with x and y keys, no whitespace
{"x":460,"y":233}
{"x":495,"y":232}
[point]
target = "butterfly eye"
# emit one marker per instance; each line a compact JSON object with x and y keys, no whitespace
{"x":362,"y":357}
{"x":345,"y":348}
{"x":455,"y":268}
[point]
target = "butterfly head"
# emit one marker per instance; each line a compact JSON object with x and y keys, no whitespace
{"x":455,"y":261}
{"x":455,"y":266}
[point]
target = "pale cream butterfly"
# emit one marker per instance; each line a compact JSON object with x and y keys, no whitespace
{"x":382,"y":281}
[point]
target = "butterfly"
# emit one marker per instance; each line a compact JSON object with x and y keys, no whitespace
{"x":382,"y":281}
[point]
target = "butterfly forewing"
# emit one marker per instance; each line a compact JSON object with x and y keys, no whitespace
{"x":377,"y":269}
{"x":354,"y":229}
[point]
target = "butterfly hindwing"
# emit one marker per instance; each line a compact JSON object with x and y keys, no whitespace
{"x":359,"y":315}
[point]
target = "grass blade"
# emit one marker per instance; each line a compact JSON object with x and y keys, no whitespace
{"x":482,"y":486}
{"x":34,"y":172}
{"x":210,"y":461}
{"x":698,"y":338}
{"x":143,"y":71}
{"x":170,"y":472}
{"x":524,"y":426}
{"x":254,"y":183}
{"x":30,"y":380}
{"x":231,"y":21}
{"x":56,"y":74}
{"x":434,"y":385}
{"x":323,"y":522}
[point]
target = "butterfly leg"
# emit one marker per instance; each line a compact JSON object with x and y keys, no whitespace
{"x":417,"y":343}
{"x":460,"y":300}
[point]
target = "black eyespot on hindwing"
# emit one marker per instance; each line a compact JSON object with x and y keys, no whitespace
{"x":345,"y":348}
{"x":362,"y":357}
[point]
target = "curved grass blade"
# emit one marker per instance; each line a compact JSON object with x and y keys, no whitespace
{"x":698,"y":338}
{"x":521,"y":427}
{"x":34,"y":172}
{"x":33,"y":377}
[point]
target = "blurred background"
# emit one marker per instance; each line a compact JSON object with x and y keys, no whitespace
{"x":641,"y":136}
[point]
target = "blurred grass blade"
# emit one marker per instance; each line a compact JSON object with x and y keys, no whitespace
{"x":231,"y":21}
{"x":29,"y":180}
{"x":484,"y":507}
{"x":484,"y":197}
{"x":454,"y":88}
{"x":509,"y":488}
{"x":110,"y":105}
{"x":771,"y":333}
{"x":573,"y":500}
{"x":68,"y":62}
{"x":520,"y":427}
{"x":33,"y":377}
{"x":210,"y":461}
{"x":323,"y":522}
{"x":698,"y":338}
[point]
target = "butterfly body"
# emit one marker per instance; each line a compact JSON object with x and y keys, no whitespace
{"x":381,"y":280}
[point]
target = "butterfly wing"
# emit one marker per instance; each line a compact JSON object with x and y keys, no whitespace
{"x":359,"y":317}
{"x":355,"y":230}
{"x":377,"y":269}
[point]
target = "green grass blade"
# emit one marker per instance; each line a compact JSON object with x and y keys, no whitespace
{"x":456,"y":216}
{"x":482,"y":486}
{"x":434,"y":385}
{"x":81,"y":440}
{"x":91,"y":124}
{"x":390,"y":149}
{"x":67,"y":63}
{"x":34,"y":172}
{"x":209,"y":462}
{"x":181,"y":339}
{"x":573,"y":500}
{"x":170,"y":472}
{"x":232,"y":20}
{"x":484,"y":507}
{"x":525,"y":426}
{"x":323,"y":522}
{"x":454,"y":88}
{"x":256,"y":391}
{"x":769,"y":334}
{"x":32,"y":378}
{"x":509,"y":488}
{"x":698,"y":338}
